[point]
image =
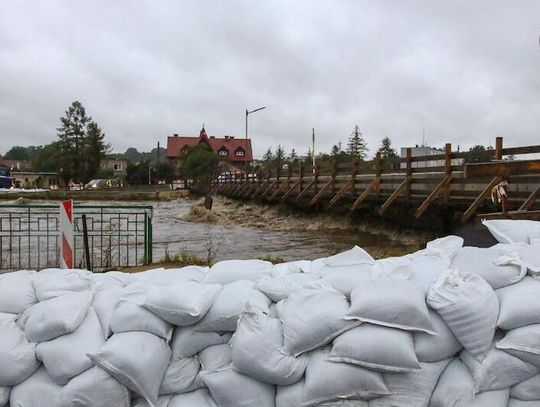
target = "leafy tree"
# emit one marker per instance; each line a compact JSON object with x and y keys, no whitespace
{"x":137,"y":174}
{"x":268,"y":156}
{"x":199,"y":164}
{"x":71,"y":136}
{"x":165,"y":171}
{"x":47,"y":158}
{"x":94,"y":150}
{"x":18,"y":153}
{"x":357,"y":146}
{"x":279,"y":157}
{"x":478,"y":154}
{"x":132,"y":155}
{"x":335,"y":151}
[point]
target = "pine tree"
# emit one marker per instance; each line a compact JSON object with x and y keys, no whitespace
{"x":335,"y":151}
{"x":94,"y":150}
{"x":386,"y":149}
{"x":71,"y":141}
{"x":357,"y":146}
{"x":293,"y":156}
{"x":280,"y":153}
{"x":268,"y":156}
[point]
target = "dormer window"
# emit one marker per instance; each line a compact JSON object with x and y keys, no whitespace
{"x":239,"y":152}
{"x":223,"y":152}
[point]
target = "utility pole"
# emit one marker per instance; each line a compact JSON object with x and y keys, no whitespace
{"x":246,"y":150}
{"x":313,"y":148}
{"x":157,"y":159}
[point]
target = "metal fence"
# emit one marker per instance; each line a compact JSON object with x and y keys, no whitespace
{"x":118,"y":236}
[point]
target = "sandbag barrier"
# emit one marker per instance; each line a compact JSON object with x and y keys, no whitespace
{"x":446,"y":326}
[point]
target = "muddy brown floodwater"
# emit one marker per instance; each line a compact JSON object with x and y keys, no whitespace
{"x":245,"y":232}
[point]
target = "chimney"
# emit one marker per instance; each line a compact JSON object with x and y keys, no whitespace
{"x":175,"y":134}
{"x":226,"y":137}
{"x":232,"y":137}
{"x":212,"y":136}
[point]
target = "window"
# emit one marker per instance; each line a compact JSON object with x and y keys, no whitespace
{"x":117,"y":167}
{"x":223,"y":152}
{"x":239,"y":153}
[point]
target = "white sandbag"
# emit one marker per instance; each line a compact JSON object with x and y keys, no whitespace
{"x":162,"y":401}
{"x":291,"y":267}
{"x":393,"y":303}
{"x":527,"y":390}
{"x":411,"y":389}
{"x":513,"y":231}
{"x":279,"y":288}
{"x":528,"y":255}
{"x":138,"y":360}
{"x":354,"y":256}
{"x":65,"y":357}
{"x":17,"y":355}
{"x":312,"y":317}
{"x":454,"y":388}
{"x":94,"y":388}
{"x":129,"y":314}
{"x":181,"y":377}
{"x":52,"y":283}
{"x":52,"y":318}
{"x":376,"y":347}
{"x":215,"y":357}
{"x":229,"y":271}
{"x":422,"y":268}
{"x":442,"y":345}
{"x":36,"y":391}
{"x":494,"y":398}
{"x":229,"y":304}
{"x":523,"y":343}
{"x":110,"y":279}
{"x":499,"y":370}
{"x":290,"y":396}
{"x":182,"y":303}
{"x":256,"y":350}
{"x":104,"y":304}
{"x":498,"y":265}
{"x":470,"y":308}
{"x":232,"y":389}
{"x":186,"y":341}
{"x":520,"y":403}
{"x":519,"y":304}
{"x":446,"y":246}
{"x":327,"y":381}
{"x":345,"y":278}
{"x":4,"y":395}
{"x":17,"y":291}
{"x":197,"y":398}
{"x":345,"y":403}
{"x":164,"y":277}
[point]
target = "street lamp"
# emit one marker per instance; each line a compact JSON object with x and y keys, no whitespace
{"x":245,"y":152}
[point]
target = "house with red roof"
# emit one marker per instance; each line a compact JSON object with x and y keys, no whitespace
{"x":234,"y":151}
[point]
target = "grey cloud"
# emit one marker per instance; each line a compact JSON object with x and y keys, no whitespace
{"x":466,"y":71}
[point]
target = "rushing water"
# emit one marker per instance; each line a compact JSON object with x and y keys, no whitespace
{"x":174,"y":234}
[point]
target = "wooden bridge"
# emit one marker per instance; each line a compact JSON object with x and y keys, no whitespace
{"x":412,"y":190}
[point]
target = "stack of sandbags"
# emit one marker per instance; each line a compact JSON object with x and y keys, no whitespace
{"x":445,"y":326}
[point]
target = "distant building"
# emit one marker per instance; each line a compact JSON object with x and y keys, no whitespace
{"x":29,"y":179}
{"x":118,"y":167}
{"x":420,"y":151}
{"x":16,"y":165}
{"x":229,"y":149}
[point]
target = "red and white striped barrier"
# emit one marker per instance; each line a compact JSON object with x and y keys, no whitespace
{"x":66,"y":234}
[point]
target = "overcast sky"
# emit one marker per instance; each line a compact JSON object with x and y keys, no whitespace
{"x":466,"y":71}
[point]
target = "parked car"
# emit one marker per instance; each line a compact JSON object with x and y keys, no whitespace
{"x":102,"y":184}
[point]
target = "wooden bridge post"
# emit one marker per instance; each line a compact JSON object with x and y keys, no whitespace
{"x":378,"y":172}
{"x":498,"y":148}
{"x":315,"y":178}
{"x":289,"y":171}
{"x":334,"y":175}
{"x":448,"y":166}
{"x":409,"y":174}
{"x":354,"y":173}
{"x":301,"y":175}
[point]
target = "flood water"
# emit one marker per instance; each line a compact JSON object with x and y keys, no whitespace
{"x":174,"y":234}
{"x":24,"y":243}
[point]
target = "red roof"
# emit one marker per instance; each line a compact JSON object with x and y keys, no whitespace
{"x":175,"y":145}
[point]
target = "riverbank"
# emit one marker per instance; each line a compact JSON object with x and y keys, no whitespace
{"x":381,"y":239}
{"x":139,"y":193}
